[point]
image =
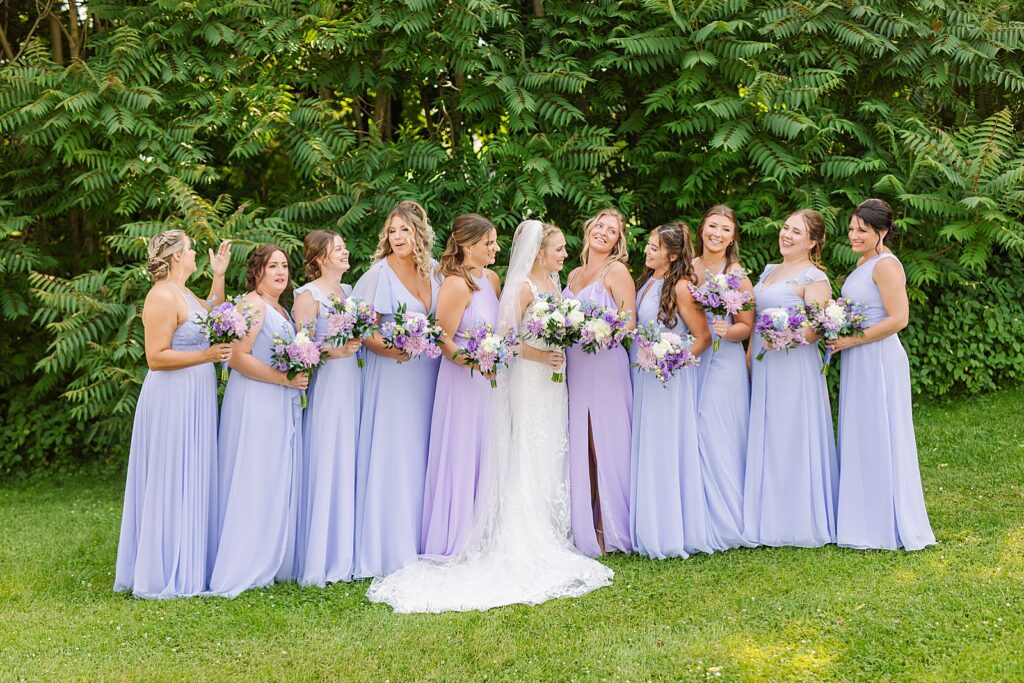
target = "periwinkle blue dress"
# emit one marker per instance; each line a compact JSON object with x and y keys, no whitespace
{"x":394,"y":435}
{"x":791,"y":470}
{"x":723,"y":409}
{"x":458,"y":432}
{"x":601,"y":405}
{"x":330,"y":430}
{"x":259,"y":475}
{"x":668,"y":516}
{"x":163,"y":551}
{"x":881,"y":503}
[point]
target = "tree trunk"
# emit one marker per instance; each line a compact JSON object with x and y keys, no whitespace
{"x":74,"y":34}
{"x":538,"y":8}
{"x":382,"y":115}
{"x":56,"y":41}
{"x":6,"y":45}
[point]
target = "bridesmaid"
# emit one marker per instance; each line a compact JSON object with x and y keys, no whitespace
{"x":260,"y":444}
{"x":163,"y":550}
{"x":723,"y":386}
{"x":397,"y":400}
{"x":668,"y":515}
{"x":790,"y":481}
{"x":329,"y":426}
{"x":601,"y":397}
{"x":881,"y":504}
{"x":458,"y":429}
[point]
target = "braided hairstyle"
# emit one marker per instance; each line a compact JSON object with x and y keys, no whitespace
{"x":160,"y":250}
{"x":675,"y":241}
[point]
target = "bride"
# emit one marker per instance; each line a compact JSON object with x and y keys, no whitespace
{"x":519,"y":550}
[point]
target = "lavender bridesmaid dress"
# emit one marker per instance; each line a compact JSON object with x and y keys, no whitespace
{"x":881,"y":504}
{"x":790,"y":484}
{"x":600,"y":404}
{"x":163,"y":550}
{"x":260,"y":470}
{"x":394,"y":434}
{"x":668,"y":516}
{"x":330,"y":427}
{"x":723,"y":403}
{"x":458,"y":432}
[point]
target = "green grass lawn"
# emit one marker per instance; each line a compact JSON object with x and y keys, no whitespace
{"x":952,"y":612}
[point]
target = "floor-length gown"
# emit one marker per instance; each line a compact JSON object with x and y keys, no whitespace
{"x":600,"y":406}
{"x":260,"y":450}
{"x":881,"y":503}
{"x":394,"y":434}
{"x":458,"y":432}
{"x":330,"y":428}
{"x":163,"y":551}
{"x":791,"y":470}
{"x":668,"y":514}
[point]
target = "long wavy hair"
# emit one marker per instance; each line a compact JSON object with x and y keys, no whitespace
{"x":467,"y":230}
{"x":675,"y":241}
{"x":732,"y":252}
{"x":423,"y":236}
{"x":620,"y":252}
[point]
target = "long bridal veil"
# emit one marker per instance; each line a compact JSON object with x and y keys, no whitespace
{"x":519,"y":550}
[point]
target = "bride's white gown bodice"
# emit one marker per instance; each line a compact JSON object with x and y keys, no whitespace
{"x":521,"y":552}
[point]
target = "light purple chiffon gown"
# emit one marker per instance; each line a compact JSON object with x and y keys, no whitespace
{"x":881,"y":504}
{"x":723,"y":405}
{"x":600,"y":403}
{"x":163,"y":551}
{"x":791,"y":470}
{"x":668,"y":515}
{"x":330,"y":428}
{"x":260,"y":450}
{"x":458,"y":432}
{"x":394,"y":434}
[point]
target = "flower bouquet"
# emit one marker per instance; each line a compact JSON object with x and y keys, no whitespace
{"x":227,"y":323}
{"x":301,"y":353}
{"x":720,"y":295}
{"x":781,"y":328}
{"x":663,"y":352}
{"x":836,"y":318}
{"x":487,"y":351}
{"x":556,"y":322}
{"x":351,"y":318}
{"x":603,"y":328}
{"x":415,"y":334}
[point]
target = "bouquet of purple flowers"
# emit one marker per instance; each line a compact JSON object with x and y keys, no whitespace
{"x":720,"y":295}
{"x":836,"y":318}
{"x":663,"y":352}
{"x":556,"y":322}
{"x":351,"y":318}
{"x":227,"y":323}
{"x":414,"y":333}
{"x":301,"y":353}
{"x":487,"y":351}
{"x":781,"y":328}
{"x":604,"y":328}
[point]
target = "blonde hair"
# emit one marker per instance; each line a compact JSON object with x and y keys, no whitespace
{"x":423,"y":235}
{"x":621,"y":251}
{"x":160,"y":250}
{"x":467,"y":230}
{"x":549,"y":230}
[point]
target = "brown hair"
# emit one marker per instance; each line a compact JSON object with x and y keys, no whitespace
{"x":620,"y":252}
{"x":317,"y":245}
{"x":675,"y":240}
{"x":160,"y":249}
{"x":732,"y":252}
{"x":467,"y":230}
{"x":423,"y":235}
{"x":258,"y":264}
{"x":816,"y":230}
{"x":877,"y":215}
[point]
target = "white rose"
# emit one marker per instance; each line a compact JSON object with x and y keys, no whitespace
{"x":302,"y":338}
{"x":778,"y":315}
{"x":661,"y":348}
{"x":489,"y":344}
{"x":601,"y":329}
{"x":557,"y":317}
{"x":576,"y":317}
{"x":836,"y":312}
{"x":539,"y":306}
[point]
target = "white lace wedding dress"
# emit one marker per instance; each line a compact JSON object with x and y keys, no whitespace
{"x":520,"y":550}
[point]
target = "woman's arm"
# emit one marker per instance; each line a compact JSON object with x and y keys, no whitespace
{"x":554,"y":359}
{"x":743,"y":322}
{"x":892,"y":285}
{"x":219,"y":265}
{"x":818,"y":292}
{"x":453,"y":298}
{"x":252,"y":367}
{"x":160,"y":318}
{"x":620,"y":285}
{"x":694,"y":318}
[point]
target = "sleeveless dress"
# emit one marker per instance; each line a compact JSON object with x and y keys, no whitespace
{"x":394,"y":434}
{"x":791,"y":470}
{"x":259,"y":475}
{"x":881,"y":504}
{"x":668,"y":515}
{"x":600,"y":404}
{"x":163,"y":551}
{"x":723,"y":410}
{"x":330,"y":427}
{"x":458,"y":432}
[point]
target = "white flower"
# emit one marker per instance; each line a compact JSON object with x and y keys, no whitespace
{"x":672,"y":338}
{"x":571,"y":304}
{"x":778,"y":315}
{"x":490,"y":343}
{"x":836,"y":312}
{"x":600,"y":329}
{"x":557,"y":317}
{"x":661,"y":348}
{"x":720,"y":280}
{"x":576,"y":317}
{"x":302,"y":337}
{"x":539,"y":306}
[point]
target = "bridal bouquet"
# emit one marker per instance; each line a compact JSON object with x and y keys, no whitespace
{"x":781,"y":328}
{"x":836,"y":318}
{"x":301,"y":353}
{"x":556,"y":322}
{"x":350,"y":319}
{"x":663,"y":352}
{"x":227,"y":323}
{"x":487,"y":351}
{"x":720,"y":295}
{"x":603,"y":328}
{"x":414,"y":333}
